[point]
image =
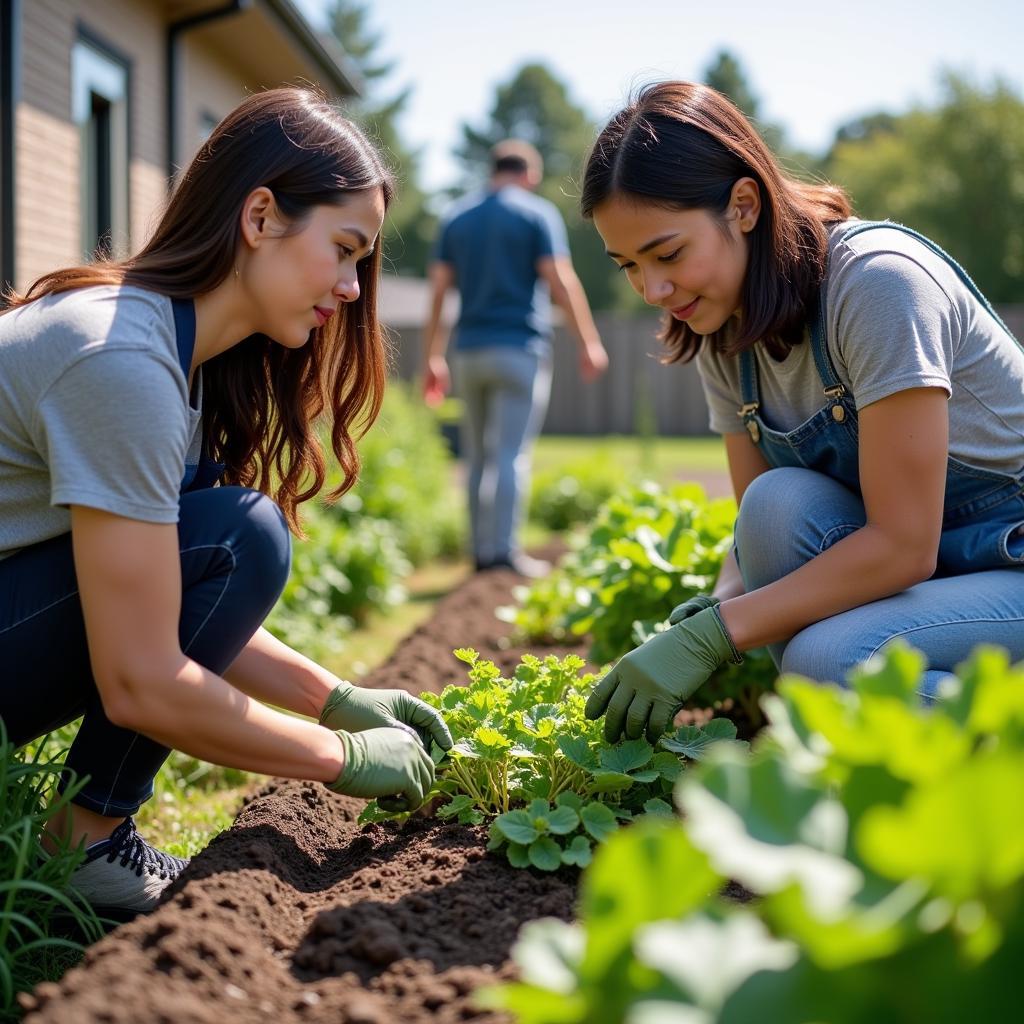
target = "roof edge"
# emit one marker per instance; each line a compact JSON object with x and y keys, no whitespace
{"x":335,"y":63}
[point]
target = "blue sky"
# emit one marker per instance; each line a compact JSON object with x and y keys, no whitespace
{"x":813,"y":64}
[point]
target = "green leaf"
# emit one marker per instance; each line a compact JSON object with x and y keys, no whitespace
{"x":518,"y":856}
{"x":456,"y":806}
{"x":563,"y":820}
{"x":957,"y":831}
{"x":577,"y":749}
{"x":611,"y":782}
{"x":692,"y":741}
{"x":766,"y":826}
{"x":896,"y":672}
{"x":517,"y":827}
{"x":598,"y":821}
{"x":709,"y":959}
{"x":626,"y":757}
{"x":548,"y":953}
{"x":538,"y":812}
{"x":491,"y":740}
{"x":569,"y":799}
{"x":545,"y":854}
{"x":659,"y":808}
{"x":495,"y":838}
{"x":648,"y":872}
{"x":578,"y":852}
{"x":667,"y":765}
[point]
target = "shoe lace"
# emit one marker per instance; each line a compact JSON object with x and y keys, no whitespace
{"x":136,"y":853}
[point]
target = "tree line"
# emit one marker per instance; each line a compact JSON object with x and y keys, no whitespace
{"x":954,"y":171}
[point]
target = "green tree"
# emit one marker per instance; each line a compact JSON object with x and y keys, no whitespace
{"x":410,"y":226}
{"x":536,"y":106}
{"x":953,"y":173}
{"x":726,"y":74}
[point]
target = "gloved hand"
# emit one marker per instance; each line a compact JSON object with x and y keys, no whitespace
{"x":355,"y":708}
{"x":389,"y":764}
{"x":695,"y":604}
{"x":648,"y":686}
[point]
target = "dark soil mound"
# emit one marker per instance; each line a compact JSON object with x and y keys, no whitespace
{"x":297,"y":914}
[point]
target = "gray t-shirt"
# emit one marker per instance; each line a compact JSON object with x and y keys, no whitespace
{"x":94,"y":410}
{"x":898,"y":317}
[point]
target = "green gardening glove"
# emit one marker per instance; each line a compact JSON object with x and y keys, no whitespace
{"x":647,"y":687}
{"x":387,"y":763}
{"x":695,"y":604}
{"x":355,"y":708}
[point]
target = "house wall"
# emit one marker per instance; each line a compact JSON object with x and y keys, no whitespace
{"x":46,"y":139}
{"x":47,"y":145}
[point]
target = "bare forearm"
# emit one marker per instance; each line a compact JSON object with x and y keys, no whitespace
{"x":197,"y":712}
{"x":435,"y":336}
{"x":730,"y":582}
{"x":571,"y":298}
{"x":272,"y":672}
{"x":863,"y":567}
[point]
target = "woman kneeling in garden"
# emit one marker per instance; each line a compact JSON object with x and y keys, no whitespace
{"x":132,"y":590}
{"x":871,"y":399}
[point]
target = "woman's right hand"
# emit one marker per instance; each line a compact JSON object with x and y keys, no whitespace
{"x":386,"y":763}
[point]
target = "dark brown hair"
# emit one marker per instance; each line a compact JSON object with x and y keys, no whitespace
{"x":261,"y":400}
{"x":683,"y":146}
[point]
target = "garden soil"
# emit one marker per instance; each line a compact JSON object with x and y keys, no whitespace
{"x":297,"y":914}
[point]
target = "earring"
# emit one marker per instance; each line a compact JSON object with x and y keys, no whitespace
{"x":236,"y":272}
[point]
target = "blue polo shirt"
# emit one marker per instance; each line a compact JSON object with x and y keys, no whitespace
{"x":493,"y":241}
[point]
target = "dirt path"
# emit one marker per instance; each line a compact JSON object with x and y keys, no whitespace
{"x":298,"y":915}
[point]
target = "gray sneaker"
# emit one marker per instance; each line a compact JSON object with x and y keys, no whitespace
{"x":124,"y":874}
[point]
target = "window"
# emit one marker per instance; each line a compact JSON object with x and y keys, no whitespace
{"x":207,"y":122}
{"x":99,"y":105}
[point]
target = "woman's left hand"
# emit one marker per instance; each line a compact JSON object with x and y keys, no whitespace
{"x":355,"y":708}
{"x":646,"y":688}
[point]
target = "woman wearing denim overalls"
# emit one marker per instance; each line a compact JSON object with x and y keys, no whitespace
{"x":132,"y":590}
{"x":872,"y":405}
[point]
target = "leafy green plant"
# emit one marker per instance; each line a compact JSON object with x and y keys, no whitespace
{"x":648,"y":549}
{"x":406,"y":480}
{"x":572,"y":493}
{"x":340,"y":574}
{"x":526,"y":756}
{"x":879,"y":836}
{"x":34,"y":887}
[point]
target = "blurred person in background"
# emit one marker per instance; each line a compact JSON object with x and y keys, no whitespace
{"x":506,"y":252}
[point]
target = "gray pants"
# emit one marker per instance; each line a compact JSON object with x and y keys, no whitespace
{"x":505,"y":390}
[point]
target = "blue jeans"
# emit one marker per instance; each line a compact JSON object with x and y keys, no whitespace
{"x":505,"y":390}
{"x":235,"y":554}
{"x":789,"y":515}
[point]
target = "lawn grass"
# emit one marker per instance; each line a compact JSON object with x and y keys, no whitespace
{"x":662,"y":459}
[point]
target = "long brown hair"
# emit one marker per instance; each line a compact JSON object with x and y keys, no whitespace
{"x":261,"y":401}
{"x":683,"y":146}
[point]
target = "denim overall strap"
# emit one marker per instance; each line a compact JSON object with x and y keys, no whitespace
{"x":749,"y":394}
{"x":834,"y":390}
{"x":207,"y":472}
{"x":940,"y":252}
{"x":184,"y":332}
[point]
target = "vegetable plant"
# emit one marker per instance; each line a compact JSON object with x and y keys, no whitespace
{"x":527,"y":760}
{"x":648,"y":549}
{"x":879,"y":836}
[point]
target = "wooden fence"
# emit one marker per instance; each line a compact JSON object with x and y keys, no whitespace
{"x":638,"y":394}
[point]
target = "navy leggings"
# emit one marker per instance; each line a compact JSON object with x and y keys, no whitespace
{"x":235,"y":555}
